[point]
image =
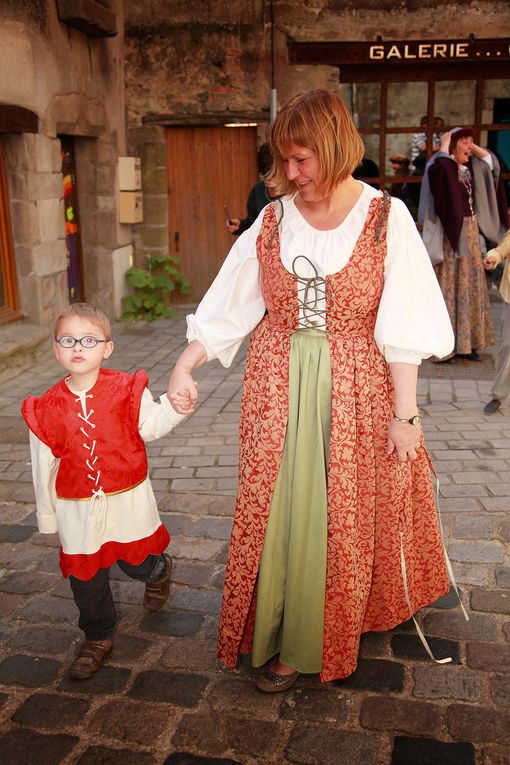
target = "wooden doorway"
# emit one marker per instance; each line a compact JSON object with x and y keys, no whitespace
{"x":9,"y":304}
{"x":208,"y":167}
{"x":72,"y":221}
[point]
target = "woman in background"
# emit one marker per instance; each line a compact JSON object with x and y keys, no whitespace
{"x":467,"y":200}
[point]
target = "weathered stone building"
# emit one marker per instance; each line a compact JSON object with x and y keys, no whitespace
{"x":62,"y":127}
{"x":192,"y":68}
{"x":83,"y":82}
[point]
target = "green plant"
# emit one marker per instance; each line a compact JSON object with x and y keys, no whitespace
{"x":153,"y":284}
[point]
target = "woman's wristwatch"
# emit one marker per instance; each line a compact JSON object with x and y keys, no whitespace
{"x":411,"y":421}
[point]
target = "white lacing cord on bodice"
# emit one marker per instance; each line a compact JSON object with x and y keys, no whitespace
{"x":312,"y":302}
{"x":99,"y":499}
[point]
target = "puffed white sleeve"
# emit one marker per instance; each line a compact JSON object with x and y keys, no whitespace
{"x":233,"y":305}
{"x":44,"y":474}
{"x":412,"y":321}
{"x":156,"y":419}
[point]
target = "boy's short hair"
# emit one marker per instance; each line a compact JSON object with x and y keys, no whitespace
{"x":318,"y":120}
{"x":89,"y":312}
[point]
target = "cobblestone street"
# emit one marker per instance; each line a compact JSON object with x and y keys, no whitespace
{"x":161,"y":696}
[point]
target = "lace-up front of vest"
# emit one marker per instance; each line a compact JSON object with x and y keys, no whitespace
{"x":95,"y":435}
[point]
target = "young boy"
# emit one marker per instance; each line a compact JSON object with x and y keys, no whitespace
{"x":89,"y":467}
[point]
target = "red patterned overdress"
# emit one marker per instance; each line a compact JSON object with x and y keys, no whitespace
{"x":374,"y":501}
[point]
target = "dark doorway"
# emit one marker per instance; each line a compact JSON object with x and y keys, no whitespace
{"x":9,"y":304}
{"x":72,"y":221}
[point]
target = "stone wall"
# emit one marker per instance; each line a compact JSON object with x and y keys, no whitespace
{"x":195,"y":57}
{"x":151,"y":237}
{"x":37,"y":212}
{"x":187,"y":62}
{"x":74,"y":84}
{"x":199,"y":58}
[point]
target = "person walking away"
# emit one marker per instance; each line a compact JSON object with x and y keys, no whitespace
{"x":259,"y":196}
{"x":460,"y":200}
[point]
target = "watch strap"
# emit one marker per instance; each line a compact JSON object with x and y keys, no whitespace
{"x":415,"y":420}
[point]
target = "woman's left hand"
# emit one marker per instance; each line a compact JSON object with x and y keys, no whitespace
{"x":444,"y":141}
{"x":403,"y":439}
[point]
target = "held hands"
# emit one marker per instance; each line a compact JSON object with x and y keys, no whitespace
{"x":404,"y":439}
{"x":490,"y":261}
{"x":182,"y":391}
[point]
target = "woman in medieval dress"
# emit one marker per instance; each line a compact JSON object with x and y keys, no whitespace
{"x":337,"y":291}
{"x":464,"y":213}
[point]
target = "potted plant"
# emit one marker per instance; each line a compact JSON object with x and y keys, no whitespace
{"x":152,"y":286}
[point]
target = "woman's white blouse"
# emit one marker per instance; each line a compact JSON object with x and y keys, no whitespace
{"x":412,"y":321}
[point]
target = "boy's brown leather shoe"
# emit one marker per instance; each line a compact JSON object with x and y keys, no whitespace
{"x":156,"y":593}
{"x":89,"y":659}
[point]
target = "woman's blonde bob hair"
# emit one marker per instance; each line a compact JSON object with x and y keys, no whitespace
{"x":317,"y":120}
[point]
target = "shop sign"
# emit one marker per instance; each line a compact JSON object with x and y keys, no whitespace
{"x":399,"y":51}
{"x":450,"y":50}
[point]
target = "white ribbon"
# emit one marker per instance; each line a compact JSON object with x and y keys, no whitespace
{"x":447,"y":559}
{"x":100,"y":499}
{"x":408,"y":601}
{"x":450,"y":574}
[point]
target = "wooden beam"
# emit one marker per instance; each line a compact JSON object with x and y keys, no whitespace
{"x":16,"y":119}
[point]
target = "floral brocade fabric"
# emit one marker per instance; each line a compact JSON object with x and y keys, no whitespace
{"x":374,"y":500}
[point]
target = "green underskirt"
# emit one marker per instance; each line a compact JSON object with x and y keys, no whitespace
{"x":290,"y":600}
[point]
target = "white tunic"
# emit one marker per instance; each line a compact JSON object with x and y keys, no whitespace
{"x":412,"y":321}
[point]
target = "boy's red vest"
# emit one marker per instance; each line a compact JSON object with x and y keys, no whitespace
{"x":101,"y":451}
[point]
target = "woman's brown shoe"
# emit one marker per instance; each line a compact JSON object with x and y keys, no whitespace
{"x":156,"y":593}
{"x":270,"y":682}
{"x":89,"y":659}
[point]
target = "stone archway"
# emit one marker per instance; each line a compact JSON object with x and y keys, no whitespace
{"x":75,"y":114}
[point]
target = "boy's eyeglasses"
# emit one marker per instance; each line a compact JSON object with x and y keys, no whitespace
{"x":66,"y":341}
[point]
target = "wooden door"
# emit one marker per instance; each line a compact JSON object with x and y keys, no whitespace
{"x":9,"y":304}
{"x":208,"y":167}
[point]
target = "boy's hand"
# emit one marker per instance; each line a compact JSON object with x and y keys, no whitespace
{"x":182,"y":391}
{"x":181,"y":402}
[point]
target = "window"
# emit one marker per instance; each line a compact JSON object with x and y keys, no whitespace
{"x":404,"y":120}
